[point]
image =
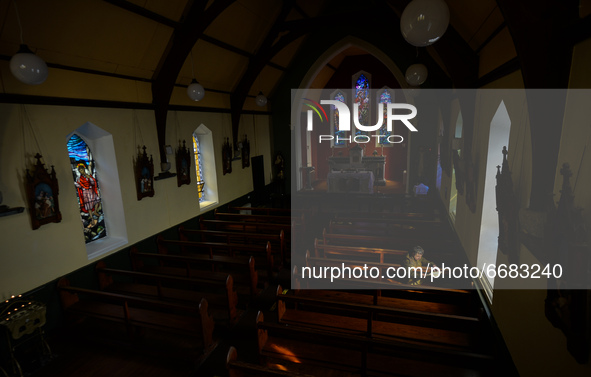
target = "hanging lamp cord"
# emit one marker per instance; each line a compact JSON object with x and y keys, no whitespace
{"x":18,"y":19}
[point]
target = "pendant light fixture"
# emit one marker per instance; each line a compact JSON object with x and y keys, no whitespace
{"x":260,"y":99}
{"x":195,"y":91}
{"x":27,"y":67}
{"x":423,"y":22}
{"x":416,"y":74}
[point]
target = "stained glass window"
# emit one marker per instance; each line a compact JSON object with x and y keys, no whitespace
{"x":87,"y":189}
{"x":199,"y":168}
{"x":339,"y":96}
{"x":385,"y":98}
{"x":362,"y":98}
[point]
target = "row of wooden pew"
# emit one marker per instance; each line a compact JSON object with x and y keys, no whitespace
{"x":197,"y":285}
{"x":377,"y":327}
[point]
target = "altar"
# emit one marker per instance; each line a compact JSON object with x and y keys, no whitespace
{"x":350,"y":182}
{"x":356,"y":161}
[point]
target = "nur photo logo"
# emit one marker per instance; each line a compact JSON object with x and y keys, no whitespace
{"x":402,"y":112}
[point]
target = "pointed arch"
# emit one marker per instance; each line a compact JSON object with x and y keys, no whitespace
{"x":205,"y":167}
{"x":87,"y":188}
{"x":101,"y":165}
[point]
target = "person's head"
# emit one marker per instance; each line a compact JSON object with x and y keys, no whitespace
{"x":417,"y":252}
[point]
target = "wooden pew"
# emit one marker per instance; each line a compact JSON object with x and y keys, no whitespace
{"x":403,"y":311}
{"x":132,"y":311}
{"x":262,"y":253}
{"x":405,"y":217}
{"x":376,"y":227}
{"x":452,"y":332}
{"x":173,"y":288}
{"x":273,"y":211}
{"x":320,"y":264}
{"x":291,"y":231}
{"x":358,"y":253}
{"x":465,"y":298}
{"x":441,"y":249}
{"x":242,"y":268}
{"x":248,"y":227}
{"x":276,"y":219}
{"x":262,"y":211}
{"x":277,"y":240}
{"x":353,"y":352}
{"x":238,"y":368}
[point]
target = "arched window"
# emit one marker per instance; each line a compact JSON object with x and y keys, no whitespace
{"x":362,"y":98}
{"x":205,"y":169}
{"x":198,"y":168}
{"x":385,"y":98}
{"x":87,"y":189}
{"x":339,"y":136}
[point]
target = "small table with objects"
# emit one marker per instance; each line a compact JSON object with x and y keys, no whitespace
{"x":23,"y":322}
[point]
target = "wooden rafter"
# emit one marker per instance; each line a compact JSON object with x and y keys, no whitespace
{"x":267,"y":50}
{"x":191,"y":28}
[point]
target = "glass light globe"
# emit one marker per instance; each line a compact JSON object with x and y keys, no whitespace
{"x":195,"y":91}
{"x":27,"y":67}
{"x":416,"y":74}
{"x":423,"y":22}
{"x":261,"y":100}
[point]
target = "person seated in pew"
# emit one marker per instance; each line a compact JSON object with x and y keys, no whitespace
{"x":415,"y":258}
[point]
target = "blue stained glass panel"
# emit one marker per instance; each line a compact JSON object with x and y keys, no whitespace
{"x":362,"y":98}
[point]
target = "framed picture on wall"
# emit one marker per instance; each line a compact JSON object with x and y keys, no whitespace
{"x":245,"y":152}
{"x":227,"y":156}
{"x":144,"y":174}
{"x":42,"y":195}
{"x":183,"y":165}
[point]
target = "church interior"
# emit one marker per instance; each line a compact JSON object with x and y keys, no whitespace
{"x":164,"y":193}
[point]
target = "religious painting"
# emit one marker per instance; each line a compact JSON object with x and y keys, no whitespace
{"x":245,"y":152}
{"x":183,"y":164}
{"x":42,"y":194}
{"x":227,"y":157}
{"x":144,"y":174}
{"x":237,"y":152}
{"x":87,"y":187}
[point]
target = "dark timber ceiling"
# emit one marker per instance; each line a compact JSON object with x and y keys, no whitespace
{"x":140,"y":51}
